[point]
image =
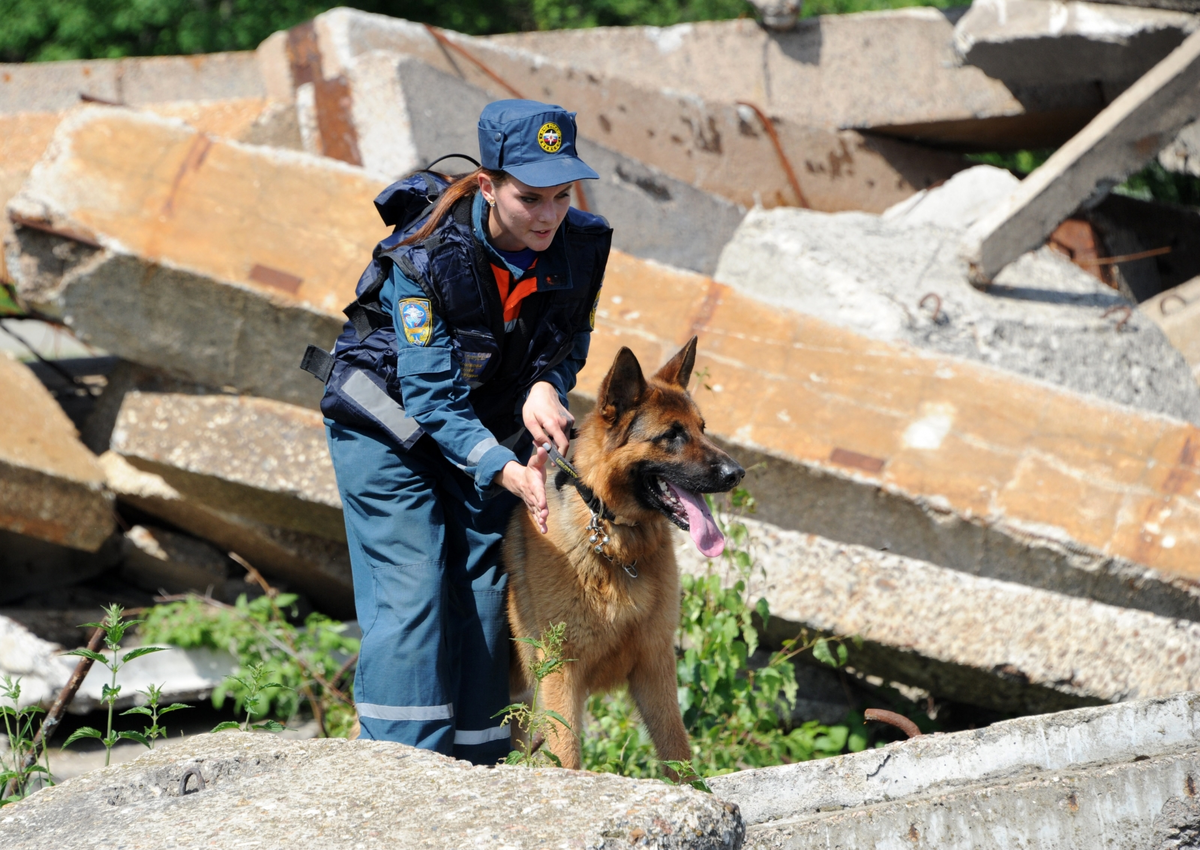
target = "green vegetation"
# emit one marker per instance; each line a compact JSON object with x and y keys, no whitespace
{"x":538,"y":724}
{"x":115,"y":625}
{"x":281,"y":667}
{"x":19,"y":727}
{"x":41,"y":30}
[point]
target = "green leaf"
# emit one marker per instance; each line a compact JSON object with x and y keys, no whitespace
{"x":135,"y":736}
{"x":139,"y":709}
{"x":88,"y":653}
{"x":139,"y":652}
{"x":175,"y":706}
{"x":226,"y":724}
{"x":822,"y":654}
{"x":559,"y":718}
{"x":83,"y":732}
{"x":270,"y":726}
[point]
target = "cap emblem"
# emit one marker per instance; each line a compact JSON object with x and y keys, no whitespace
{"x":550,"y":137}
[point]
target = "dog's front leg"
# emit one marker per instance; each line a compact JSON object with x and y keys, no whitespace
{"x":564,"y":694}
{"x":652,"y":684}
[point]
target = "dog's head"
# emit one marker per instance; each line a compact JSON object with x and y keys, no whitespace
{"x":647,"y":451}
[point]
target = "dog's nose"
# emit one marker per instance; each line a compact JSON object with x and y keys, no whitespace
{"x":729,"y":472}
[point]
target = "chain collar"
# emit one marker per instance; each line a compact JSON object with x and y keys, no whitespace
{"x":598,"y":537}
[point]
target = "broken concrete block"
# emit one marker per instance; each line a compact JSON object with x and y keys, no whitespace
{"x":31,"y":566}
{"x":51,"y":487}
{"x":257,"y":458}
{"x":917,"y":87}
{"x":292,"y":234}
{"x":407,"y":114}
{"x":1177,"y":312}
{"x":315,"y":566}
{"x":1048,"y":781}
{"x":1031,"y":43}
{"x":897,"y":278}
{"x":136,"y":81}
{"x":1129,"y":131}
{"x":1182,"y":155}
{"x":327,"y":790}
{"x":995,"y":644}
{"x":37,"y":664}
{"x":158,"y":560}
{"x":718,"y":146}
{"x":936,"y":458}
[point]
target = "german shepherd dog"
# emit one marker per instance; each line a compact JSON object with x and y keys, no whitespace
{"x":606,"y":567}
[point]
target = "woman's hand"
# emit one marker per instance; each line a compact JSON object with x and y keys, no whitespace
{"x":545,"y":418}
{"x":528,"y":483}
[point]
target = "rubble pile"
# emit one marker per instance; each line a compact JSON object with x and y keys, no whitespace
{"x":970,"y":399}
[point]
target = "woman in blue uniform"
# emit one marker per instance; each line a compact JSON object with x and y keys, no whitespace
{"x":471,"y":327}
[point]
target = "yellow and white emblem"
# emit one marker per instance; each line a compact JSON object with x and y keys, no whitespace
{"x":417,"y":320}
{"x":550,"y":137}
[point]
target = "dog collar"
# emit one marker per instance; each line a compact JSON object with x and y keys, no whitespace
{"x":568,"y":474}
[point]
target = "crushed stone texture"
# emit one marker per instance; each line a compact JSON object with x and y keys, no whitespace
{"x":261,"y":791}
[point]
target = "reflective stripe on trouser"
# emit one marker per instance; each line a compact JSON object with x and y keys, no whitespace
{"x":424,"y":549}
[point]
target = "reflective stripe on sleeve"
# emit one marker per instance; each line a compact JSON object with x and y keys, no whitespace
{"x":468,"y":737}
{"x":481,"y":448}
{"x":405,"y":712}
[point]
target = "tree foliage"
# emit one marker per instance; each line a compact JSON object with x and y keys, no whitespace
{"x":40,"y":30}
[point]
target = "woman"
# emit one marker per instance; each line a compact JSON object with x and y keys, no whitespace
{"x":470,"y":327}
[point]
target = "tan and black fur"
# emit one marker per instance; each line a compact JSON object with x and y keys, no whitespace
{"x":619,"y":628}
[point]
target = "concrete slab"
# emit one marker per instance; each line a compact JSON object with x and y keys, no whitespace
{"x":715,"y":145}
{"x":1177,"y":312}
{"x":1182,"y":155}
{"x":315,"y":566}
{"x":897,"y":278}
{"x":32,"y":566}
{"x":1096,"y":777}
{"x":1116,"y":143}
{"x":261,"y":459}
{"x":1030,"y":42}
{"x":131,"y":263}
{"x":917,"y":89}
{"x":133,"y":81}
{"x":943,"y":460}
{"x":408,"y":114}
{"x":161,"y":561}
{"x":995,"y":644}
{"x":51,"y":487}
{"x":328,"y":791}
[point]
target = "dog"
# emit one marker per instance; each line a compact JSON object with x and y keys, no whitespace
{"x":606,"y":566}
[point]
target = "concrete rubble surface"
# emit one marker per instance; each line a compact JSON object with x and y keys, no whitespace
{"x":315,"y":566}
{"x":192,"y":288}
{"x":714,"y":145}
{"x":407,"y":114}
{"x":995,"y":644}
{"x":260,"y":459}
{"x":1093,"y":777}
{"x":1177,"y":312}
{"x":897,"y":277}
{"x":1116,"y":143}
{"x":335,"y":792}
{"x":1028,"y":42}
{"x":158,"y":560}
{"x":866,"y":442}
{"x":918,"y":88}
{"x":51,"y":488}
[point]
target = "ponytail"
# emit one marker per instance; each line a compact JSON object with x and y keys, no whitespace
{"x":461,"y":187}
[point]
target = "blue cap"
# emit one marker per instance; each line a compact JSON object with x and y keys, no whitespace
{"x":534,"y":142}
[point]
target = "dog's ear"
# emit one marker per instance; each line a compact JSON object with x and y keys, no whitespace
{"x":678,"y":370}
{"x":622,"y":388}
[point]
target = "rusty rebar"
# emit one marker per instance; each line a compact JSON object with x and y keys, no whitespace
{"x":937,"y":306}
{"x":1124,"y":258}
{"x":893,"y":719}
{"x":54,"y":715}
{"x":1117,"y":308}
{"x":769,"y":126}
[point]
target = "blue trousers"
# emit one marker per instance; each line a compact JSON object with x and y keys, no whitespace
{"x":425,"y":549}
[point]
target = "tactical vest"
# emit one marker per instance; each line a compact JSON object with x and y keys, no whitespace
{"x":451,"y":267}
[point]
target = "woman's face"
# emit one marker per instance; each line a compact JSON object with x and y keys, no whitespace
{"x":524,"y":217}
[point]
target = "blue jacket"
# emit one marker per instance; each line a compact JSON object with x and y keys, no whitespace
{"x":436,"y":359}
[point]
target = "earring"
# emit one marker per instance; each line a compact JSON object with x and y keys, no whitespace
{"x":492,"y":204}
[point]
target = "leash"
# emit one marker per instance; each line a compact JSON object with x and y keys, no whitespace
{"x":599,"y":538}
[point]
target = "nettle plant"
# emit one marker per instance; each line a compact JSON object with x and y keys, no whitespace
{"x":115,"y":625}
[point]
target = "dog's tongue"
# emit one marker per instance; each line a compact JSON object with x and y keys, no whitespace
{"x":705,"y":534}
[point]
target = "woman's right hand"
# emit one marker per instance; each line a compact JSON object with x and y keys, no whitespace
{"x":528,"y":483}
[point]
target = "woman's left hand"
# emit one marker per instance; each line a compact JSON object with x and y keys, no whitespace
{"x":545,"y":418}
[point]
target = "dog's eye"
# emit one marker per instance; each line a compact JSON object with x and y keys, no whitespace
{"x":676,"y":436}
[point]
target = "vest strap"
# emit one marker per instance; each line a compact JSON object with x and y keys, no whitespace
{"x":317,"y":362}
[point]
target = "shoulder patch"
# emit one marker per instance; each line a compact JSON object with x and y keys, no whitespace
{"x":416,"y":318}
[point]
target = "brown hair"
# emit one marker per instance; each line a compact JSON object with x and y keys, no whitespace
{"x":459,"y":188}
